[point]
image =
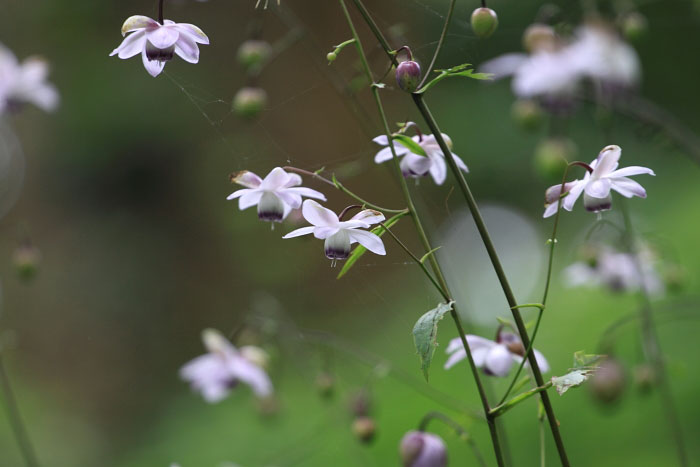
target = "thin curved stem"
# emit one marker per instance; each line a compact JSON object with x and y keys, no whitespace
{"x":458,"y":429}
{"x":160,"y":11}
{"x":441,"y":42}
{"x":15,"y":419}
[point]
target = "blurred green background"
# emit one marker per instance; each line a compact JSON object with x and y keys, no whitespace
{"x":124,"y":194}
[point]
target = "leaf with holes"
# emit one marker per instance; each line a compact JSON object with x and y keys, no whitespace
{"x":425,"y":334}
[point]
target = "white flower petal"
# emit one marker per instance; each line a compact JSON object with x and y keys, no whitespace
{"x":306,"y":192}
{"x":598,"y":188}
{"x":153,"y":67}
{"x":163,"y":37}
{"x":137,"y":22}
{"x":299,"y":232}
{"x":323,"y":233}
{"x":550,"y":209}
{"x":381,"y":140}
{"x":369,"y":216}
{"x":277,"y":178}
{"x":368,"y":240}
{"x":289,"y":198}
{"x":292,"y":180}
{"x":504,"y":65}
{"x":460,"y":163}
{"x":247,"y":179}
{"x":628,"y":187}
{"x":499,"y":360}
{"x":239,"y":193}
{"x":249,"y":199}
{"x":193,"y":32}
{"x":455,"y":358}
{"x":607,"y":161}
{"x":631,"y":170}
{"x":252,"y":375}
{"x":317,"y":215}
{"x":187,"y":49}
{"x":438,"y":170}
{"x":574,"y":193}
{"x":131,"y":46}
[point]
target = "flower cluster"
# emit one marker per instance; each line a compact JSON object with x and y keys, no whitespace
{"x":25,"y":82}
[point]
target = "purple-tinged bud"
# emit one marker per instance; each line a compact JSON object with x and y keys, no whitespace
{"x":249,"y":102}
{"x":552,"y":156}
{"x":644,"y":377}
{"x":539,"y":37}
{"x":608,"y":382}
{"x":252,"y":53}
{"x":26,"y":259}
{"x":527,"y":114}
{"x":484,"y":22}
{"x":325,"y":383}
{"x":408,"y":75}
{"x":634,"y":26}
{"x":364,"y":429}
{"x":420,"y":449}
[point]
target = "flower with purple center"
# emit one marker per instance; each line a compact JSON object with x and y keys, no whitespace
{"x":215,"y":373}
{"x":275,"y":195}
{"x":340,"y":235}
{"x":421,"y":449}
{"x":158,"y":43}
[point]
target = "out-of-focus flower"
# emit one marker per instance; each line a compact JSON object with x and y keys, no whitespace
{"x":495,"y":357}
{"x":25,"y":82}
{"x":215,"y":373}
{"x":249,"y":102}
{"x":415,"y":165}
{"x":618,"y":271}
{"x":421,"y":449}
{"x":596,"y":186}
{"x":608,"y":382}
{"x":340,"y":235}
{"x":275,"y":195}
{"x":364,"y":428}
{"x":157,"y":43}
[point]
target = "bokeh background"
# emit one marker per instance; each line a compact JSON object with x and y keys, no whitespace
{"x":124,"y":194}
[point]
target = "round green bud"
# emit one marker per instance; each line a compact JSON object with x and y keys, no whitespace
{"x":364,"y":429}
{"x":26,"y":259}
{"x":608,"y":382}
{"x":408,"y":75}
{"x":634,"y":26}
{"x":253,"y":52}
{"x":527,"y":114}
{"x":331,"y":56}
{"x":249,"y":102}
{"x":552,"y":156}
{"x":539,"y":37}
{"x":484,"y":22}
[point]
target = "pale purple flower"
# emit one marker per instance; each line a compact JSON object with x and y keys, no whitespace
{"x":596,"y":186}
{"x":415,"y":165}
{"x":157,"y":43}
{"x":215,"y":373}
{"x":275,"y":195}
{"x":495,"y":357}
{"x":25,"y":82}
{"x":340,"y":235}
{"x":422,"y":449}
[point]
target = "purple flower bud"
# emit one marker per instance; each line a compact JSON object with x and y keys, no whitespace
{"x":408,"y":75}
{"x":364,"y":428}
{"x":484,"y":22}
{"x":608,"y":382}
{"x":420,"y":449}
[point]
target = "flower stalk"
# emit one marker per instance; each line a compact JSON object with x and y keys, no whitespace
{"x":15,"y":419}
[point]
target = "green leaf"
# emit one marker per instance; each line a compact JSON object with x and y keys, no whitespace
{"x":583,"y":360}
{"x":465,"y":70}
{"x":409,"y":144}
{"x":425,"y":334}
{"x":360,"y":250}
{"x":425,"y":256}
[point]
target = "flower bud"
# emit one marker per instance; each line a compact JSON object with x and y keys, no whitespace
{"x":331,"y":56}
{"x":253,"y":52}
{"x":249,"y":102}
{"x":552,"y":156}
{"x":539,"y":37}
{"x":484,"y":22}
{"x":608,"y":382}
{"x":527,"y":114}
{"x":325,"y":383}
{"x":420,"y":449}
{"x":644,"y":377}
{"x":634,"y":26}
{"x":408,"y":75}
{"x":26,"y":259}
{"x":364,"y":429}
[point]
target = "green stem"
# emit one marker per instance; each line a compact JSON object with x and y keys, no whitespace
{"x":423,"y":236}
{"x":441,"y":42}
{"x":500,"y":409}
{"x":458,"y":429}
{"x":15,"y":419}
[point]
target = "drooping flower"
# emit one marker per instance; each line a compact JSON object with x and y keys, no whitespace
{"x":157,"y":43}
{"x":275,"y":195}
{"x":340,"y":235}
{"x":416,"y":165}
{"x":596,"y":186}
{"x":25,"y":82}
{"x":495,"y":357}
{"x":215,"y":373}
{"x":421,"y":449}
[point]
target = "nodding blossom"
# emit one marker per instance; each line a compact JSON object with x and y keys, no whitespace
{"x":158,"y":43}
{"x":25,"y":82}
{"x":495,"y":357}
{"x":619,"y":271}
{"x":275,"y":195}
{"x":340,"y":235}
{"x":421,"y":449}
{"x":215,"y":373}
{"x":415,"y":165}
{"x":596,"y":185}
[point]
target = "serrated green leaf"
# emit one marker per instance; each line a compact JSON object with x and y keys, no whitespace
{"x":360,"y":250}
{"x":425,"y":334}
{"x":409,"y":144}
{"x":465,"y":70}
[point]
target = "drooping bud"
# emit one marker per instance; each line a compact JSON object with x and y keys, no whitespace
{"x":364,"y":429}
{"x":644,"y":377}
{"x":554,"y":192}
{"x":539,"y":37}
{"x":512,"y":342}
{"x":608,"y":382}
{"x":634,"y":26}
{"x":484,"y":22}
{"x":408,"y":75}
{"x":270,"y":208}
{"x":420,"y":449}
{"x":325,"y":383}
{"x":249,"y":102}
{"x":527,"y":114}
{"x":552,"y":156}
{"x":26,"y":259}
{"x":252,"y":53}
{"x":331,"y":56}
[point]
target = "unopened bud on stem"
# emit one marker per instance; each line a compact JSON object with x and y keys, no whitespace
{"x":484,"y":22}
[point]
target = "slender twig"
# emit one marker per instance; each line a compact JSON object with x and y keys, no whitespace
{"x":424,"y":238}
{"x":458,"y":429}
{"x":441,"y":42}
{"x":652,"y":347}
{"x":160,"y":11}
{"x":500,"y":409}
{"x":15,"y":419}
